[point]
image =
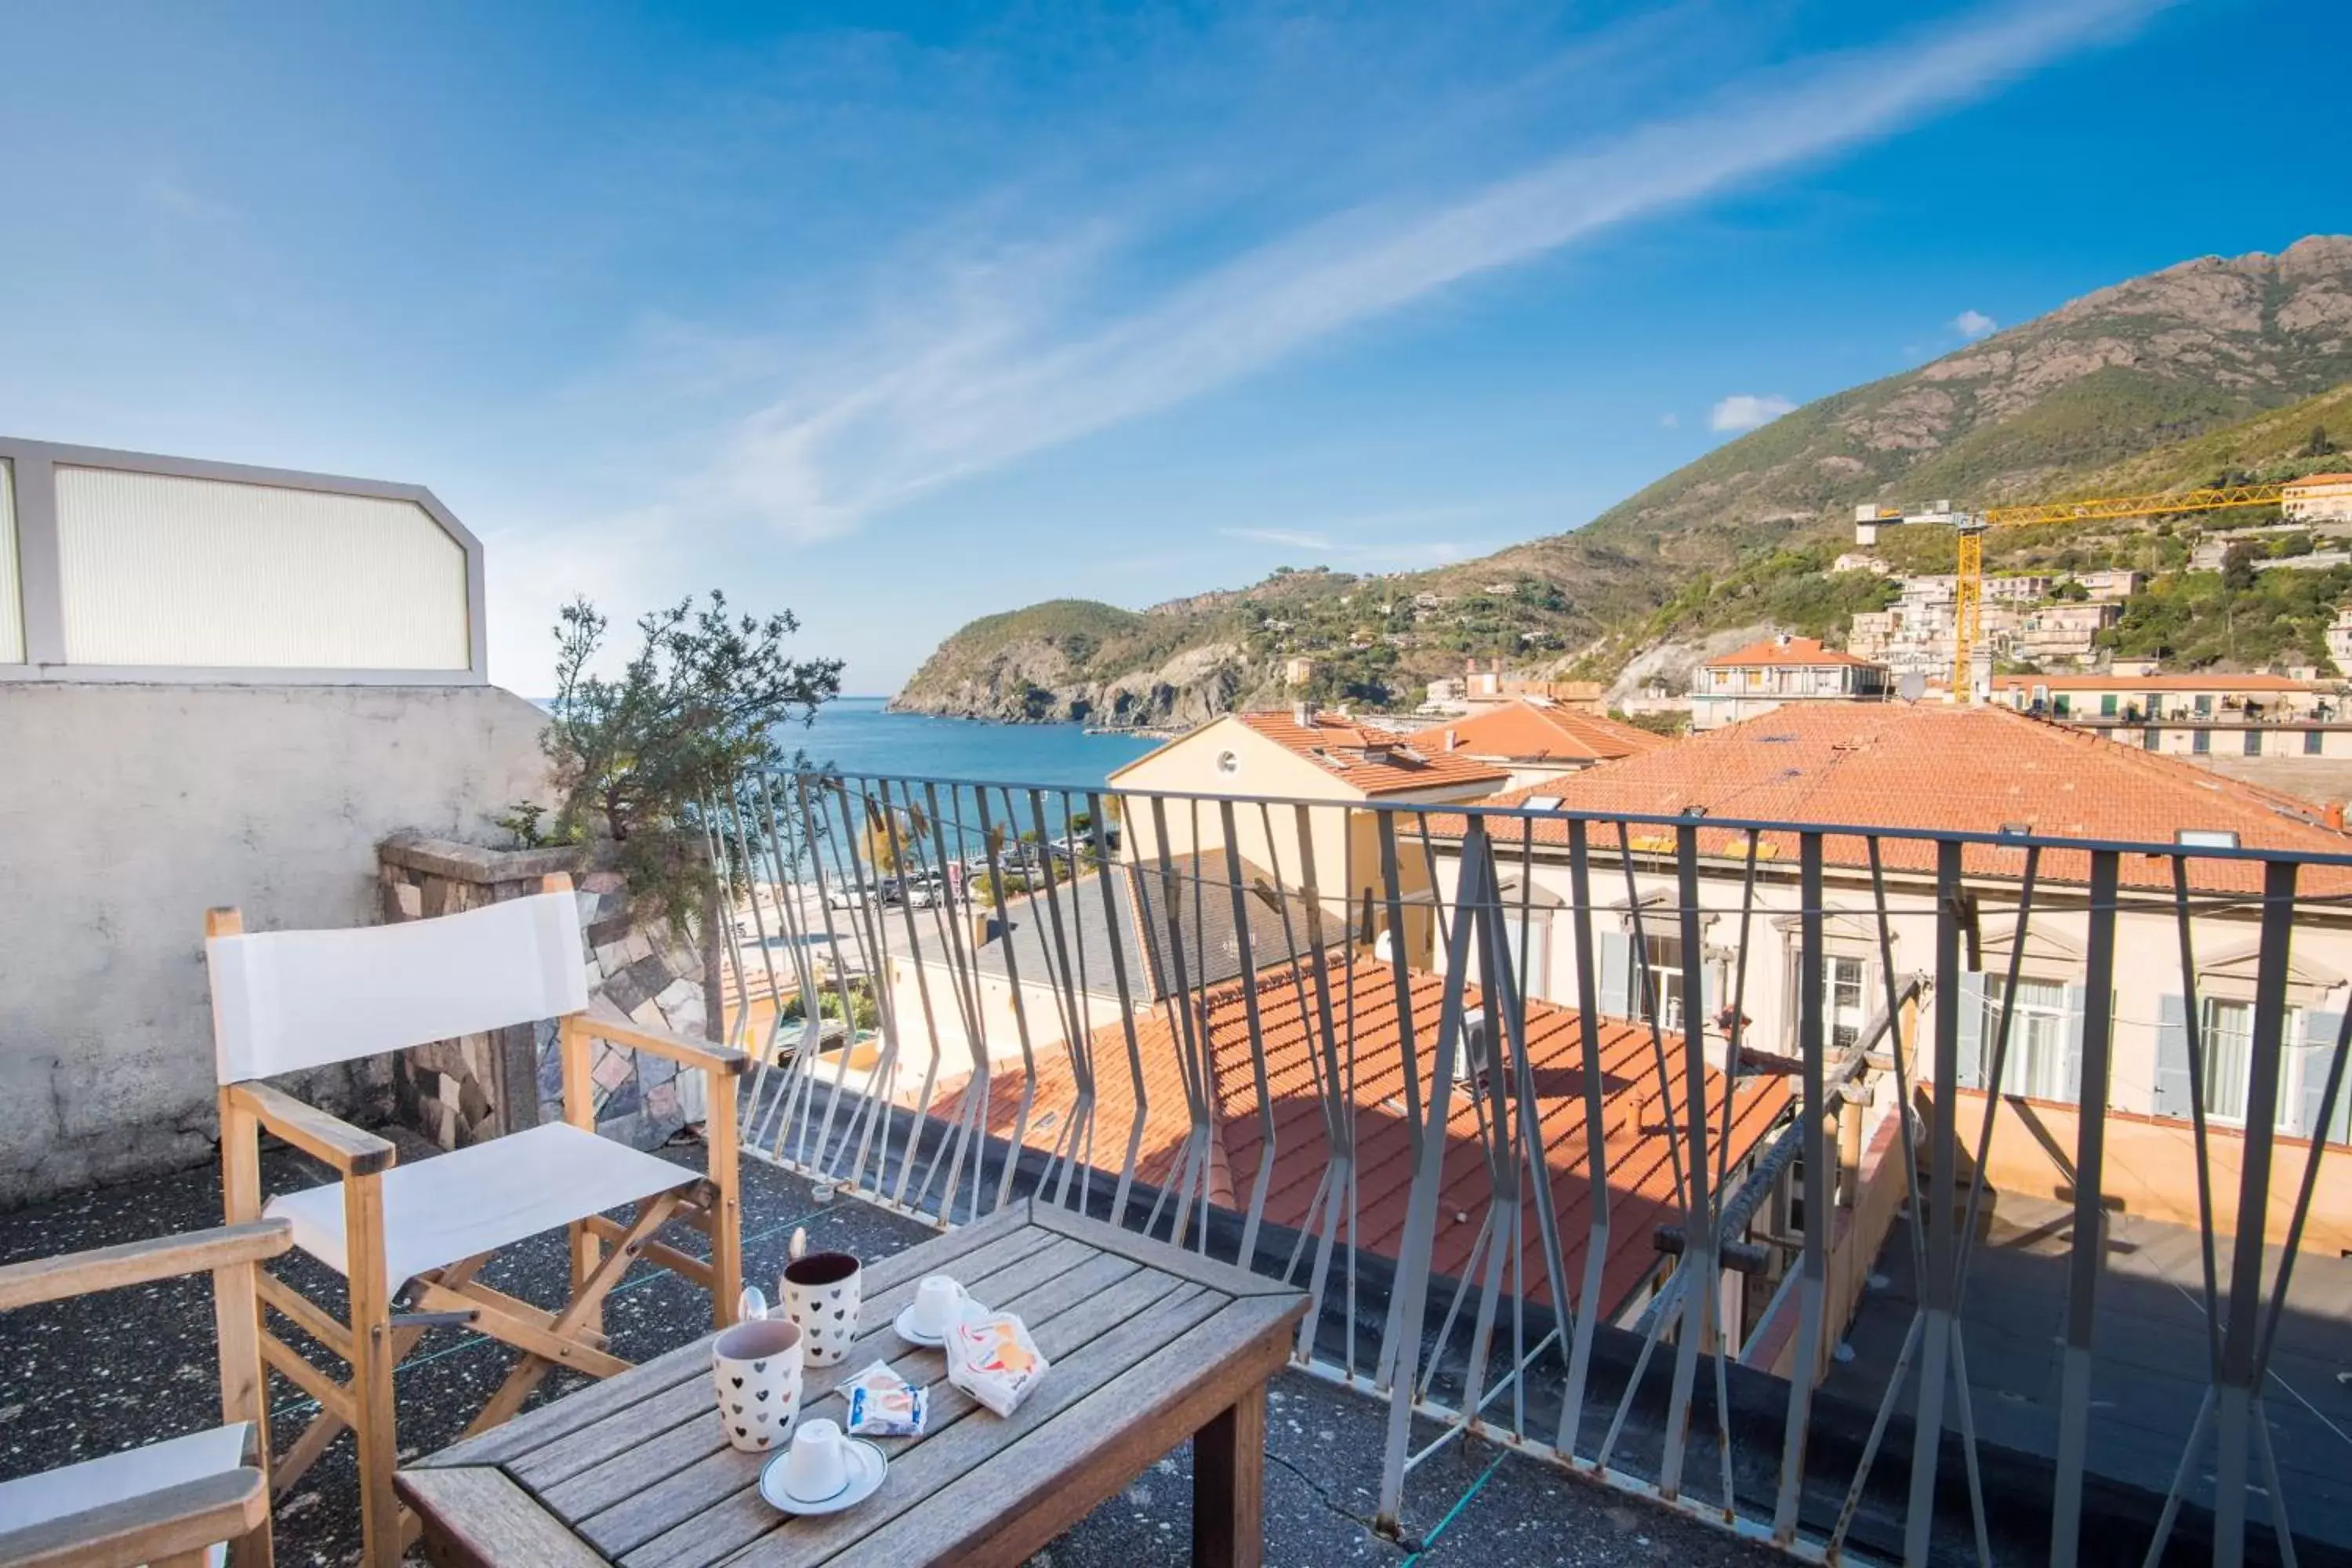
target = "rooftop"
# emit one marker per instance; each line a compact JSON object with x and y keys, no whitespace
{"x":2310,"y":481}
{"x":1527,"y":730}
{"x":2212,"y":681}
{"x":1935,"y":766}
{"x":1375,"y":760}
{"x":1361,"y":1002}
{"x":1790,"y":652}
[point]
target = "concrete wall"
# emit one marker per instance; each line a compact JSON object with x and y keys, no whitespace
{"x":127,"y":810}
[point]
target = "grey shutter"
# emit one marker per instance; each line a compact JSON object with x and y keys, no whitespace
{"x":2172,"y":1079}
{"x":2319,"y":1031}
{"x":1710,"y":989}
{"x":1974,"y":1057}
{"x":2078,"y":999}
{"x":1616,"y":975}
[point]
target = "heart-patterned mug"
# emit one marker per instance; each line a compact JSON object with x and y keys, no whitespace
{"x":820,"y":1295}
{"x":756,"y":1368}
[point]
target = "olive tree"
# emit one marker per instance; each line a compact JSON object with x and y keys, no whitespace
{"x":641,"y":758}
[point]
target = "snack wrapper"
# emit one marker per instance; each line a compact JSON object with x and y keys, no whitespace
{"x":875,"y":1376}
{"x":875,"y":1412}
{"x":994,"y":1360}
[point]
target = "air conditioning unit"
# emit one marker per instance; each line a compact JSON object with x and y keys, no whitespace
{"x":1477,"y":1047}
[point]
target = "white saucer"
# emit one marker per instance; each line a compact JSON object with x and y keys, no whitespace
{"x":903,"y":1325}
{"x":864,"y":1462}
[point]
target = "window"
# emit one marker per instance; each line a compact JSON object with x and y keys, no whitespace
{"x":1531,"y":958}
{"x":2107,"y":705}
{"x":2205,"y":705}
{"x":2253,"y":742}
{"x":2062,"y":705}
{"x":2229,"y":1045}
{"x":2151,"y":738}
{"x":1662,"y":987}
{"x":1229,"y":762}
{"x":2036,"y":1063}
{"x":1844,"y":1003}
{"x":2201,"y":741}
{"x":2312,"y":739}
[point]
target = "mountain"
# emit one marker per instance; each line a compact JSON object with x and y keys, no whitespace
{"x":2163,"y":382}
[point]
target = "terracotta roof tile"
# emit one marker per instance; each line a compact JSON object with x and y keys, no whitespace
{"x":1935,"y":766}
{"x":2216,"y":681}
{"x":1364,"y":1008}
{"x":1795,"y":651}
{"x":1375,"y":760}
{"x":1528,"y":731}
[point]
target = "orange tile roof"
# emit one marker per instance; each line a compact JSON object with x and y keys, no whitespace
{"x":1527,"y":731}
{"x":1377,"y":762}
{"x":2215,"y":681}
{"x":1365,"y":1012}
{"x":1935,"y":766}
{"x":2319,"y":480}
{"x":1796,"y":650}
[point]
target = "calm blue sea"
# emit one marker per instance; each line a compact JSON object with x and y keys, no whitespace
{"x":855,"y":735}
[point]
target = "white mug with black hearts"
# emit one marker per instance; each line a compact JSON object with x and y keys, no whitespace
{"x":821,"y":1294}
{"x":756,"y":1368}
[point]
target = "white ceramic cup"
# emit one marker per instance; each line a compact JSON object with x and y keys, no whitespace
{"x":814,"y":1466}
{"x":821,"y":1294}
{"x":756,"y":1368}
{"x":938,"y":1306}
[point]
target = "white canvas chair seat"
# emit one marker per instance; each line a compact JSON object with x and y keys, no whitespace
{"x":409,"y":1240}
{"x":483,"y":1197}
{"x":134,"y":1472}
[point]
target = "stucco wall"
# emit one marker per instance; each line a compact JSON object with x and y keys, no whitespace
{"x":126,"y":811}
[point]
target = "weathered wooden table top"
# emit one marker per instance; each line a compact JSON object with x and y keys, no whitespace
{"x":1146,"y":1345}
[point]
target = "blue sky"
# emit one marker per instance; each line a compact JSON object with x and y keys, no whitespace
{"x":897,"y":316}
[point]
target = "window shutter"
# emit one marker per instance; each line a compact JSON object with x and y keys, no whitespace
{"x":2077,"y":1001}
{"x":2172,"y":1080}
{"x":1616,"y":975}
{"x":1710,"y":990}
{"x":1974,"y":1055}
{"x":2319,"y":1032}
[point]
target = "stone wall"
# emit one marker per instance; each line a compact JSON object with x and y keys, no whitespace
{"x":640,"y":970}
{"x":126,"y":811}
{"x":475,"y":1088}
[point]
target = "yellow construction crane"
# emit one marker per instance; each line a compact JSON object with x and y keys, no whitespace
{"x":1967,"y":593}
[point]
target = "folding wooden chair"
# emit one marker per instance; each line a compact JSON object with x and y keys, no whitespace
{"x":181,"y":1502}
{"x":409,"y":1240}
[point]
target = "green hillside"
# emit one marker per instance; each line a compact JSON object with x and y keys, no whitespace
{"x":2215,"y":368}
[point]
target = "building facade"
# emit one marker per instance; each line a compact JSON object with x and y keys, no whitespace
{"x":1785,"y":669}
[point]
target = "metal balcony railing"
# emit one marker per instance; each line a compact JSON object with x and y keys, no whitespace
{"x":1716,"y":1159}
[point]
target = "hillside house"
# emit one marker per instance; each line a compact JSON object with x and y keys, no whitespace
{"x":1764,"y":675}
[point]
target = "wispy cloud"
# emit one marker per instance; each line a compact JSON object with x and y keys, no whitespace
{"x":1669,"y":421}
{"x":1020,"y":354}
{"x":1746,"y":411}
{"x":1973,"y":325}
{"x":1289,"y":539}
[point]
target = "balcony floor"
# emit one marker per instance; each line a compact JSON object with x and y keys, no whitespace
{"x":85,"y":1377}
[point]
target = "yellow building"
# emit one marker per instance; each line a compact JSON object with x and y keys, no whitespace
{"x":1316,"y":765}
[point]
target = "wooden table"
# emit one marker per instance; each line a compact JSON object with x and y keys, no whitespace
{"x":1148,"y":1345}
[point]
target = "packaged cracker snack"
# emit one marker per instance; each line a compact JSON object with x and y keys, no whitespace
{"x":994,"y":1360}
{"x":877,"y":1412}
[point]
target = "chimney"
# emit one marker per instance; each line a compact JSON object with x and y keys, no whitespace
{"x":1303,"y":715}
{"x":1453,"y":740}
{"x":2334,"y":815}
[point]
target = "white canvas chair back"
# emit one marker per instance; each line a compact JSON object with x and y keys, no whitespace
{"x":283,"y":1001}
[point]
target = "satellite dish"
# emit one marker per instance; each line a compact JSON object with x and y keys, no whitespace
{"x":1912,"y":687}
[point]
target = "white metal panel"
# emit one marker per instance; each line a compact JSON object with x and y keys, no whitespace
{"x":12,"y":575}
{"x":482,"y":1197}
{"x":159,"y":569}
{"x":287,"y":1000}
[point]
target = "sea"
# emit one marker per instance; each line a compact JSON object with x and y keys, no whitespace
{"x":854,"y":734}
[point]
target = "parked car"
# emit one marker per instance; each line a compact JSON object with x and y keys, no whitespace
{"x":848,"y":895}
